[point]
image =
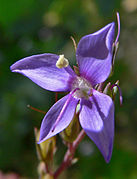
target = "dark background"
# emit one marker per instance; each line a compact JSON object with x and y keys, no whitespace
{"x":30,"y":27}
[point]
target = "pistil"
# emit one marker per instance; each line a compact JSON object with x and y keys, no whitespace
{"x":84,"y":86}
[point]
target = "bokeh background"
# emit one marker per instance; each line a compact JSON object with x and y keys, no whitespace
{"x":29,"y":27}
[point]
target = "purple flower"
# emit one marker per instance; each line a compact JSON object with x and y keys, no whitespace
{"x":52,"y":72}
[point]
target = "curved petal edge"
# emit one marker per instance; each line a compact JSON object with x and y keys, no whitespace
{"x":94,"y":54}
{"x":42,"y":70}
{"x":48,"y":123}
{"x":97,"y":120}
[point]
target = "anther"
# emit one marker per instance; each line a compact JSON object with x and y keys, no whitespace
{"x":62,"y":62}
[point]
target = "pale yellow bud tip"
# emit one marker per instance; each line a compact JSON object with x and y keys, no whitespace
{"x":62,"y":62}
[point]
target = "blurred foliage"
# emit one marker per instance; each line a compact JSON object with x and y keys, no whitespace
{"x":33,"y":27}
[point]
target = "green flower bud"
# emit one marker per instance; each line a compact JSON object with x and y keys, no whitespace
{"x":115,"y":88}
{"x":46,"y":149}
{"x":71,"y":132}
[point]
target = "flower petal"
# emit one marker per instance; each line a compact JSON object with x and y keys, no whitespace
{"x":48,"y":123}
{"x":94,"y":54}
{"x":42,"y":70}
{"x":97,"y":120}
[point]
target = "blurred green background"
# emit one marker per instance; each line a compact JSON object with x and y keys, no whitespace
{"x":30,"y":27}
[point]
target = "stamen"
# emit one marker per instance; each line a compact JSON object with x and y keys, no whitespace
{"x":35,"y":109}
{"x":64,"y":108}
{"x":120,"y":93}
{"x":62,"y":62}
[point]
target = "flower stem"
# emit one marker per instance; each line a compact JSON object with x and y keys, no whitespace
{"x":69,"y":155}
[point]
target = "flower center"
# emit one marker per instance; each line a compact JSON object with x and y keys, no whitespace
{"x":85,"y":88}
